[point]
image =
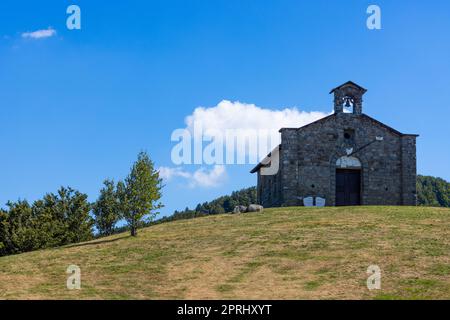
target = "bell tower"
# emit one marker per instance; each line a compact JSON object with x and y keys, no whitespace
{"x":348,"y":98}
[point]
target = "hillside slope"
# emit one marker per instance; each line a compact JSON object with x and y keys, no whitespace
{"x":288,"y":253}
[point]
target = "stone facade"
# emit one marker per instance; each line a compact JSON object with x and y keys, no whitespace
{"x":311,"y":157}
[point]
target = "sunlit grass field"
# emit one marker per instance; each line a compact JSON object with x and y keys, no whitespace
{"x":285,"y":253}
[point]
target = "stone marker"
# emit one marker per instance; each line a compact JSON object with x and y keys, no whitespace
{"x":239,"y":209}
{"x":320,"y":202}
{"x":308,"y":202}
{"x":255,"y":208}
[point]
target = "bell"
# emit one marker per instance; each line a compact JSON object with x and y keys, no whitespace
{"x":347,"y":103}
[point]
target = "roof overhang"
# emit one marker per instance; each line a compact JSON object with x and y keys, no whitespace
{"x":349,"y":84}
{"x":266,"y":161}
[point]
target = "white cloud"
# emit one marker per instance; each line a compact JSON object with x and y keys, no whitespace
{"x":167,"y":173}
{"x":237,"y":115}
{"x":242,"y":118}
{"x":199,"y":178}
{"x":209,"y":178}
{"x":40,"y":34}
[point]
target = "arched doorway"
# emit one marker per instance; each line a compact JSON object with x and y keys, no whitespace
{"x":348,"y":181}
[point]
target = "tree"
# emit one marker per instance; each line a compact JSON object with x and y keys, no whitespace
{"x":64,"y":217}
{"x":433,"y":191}
{"x":18,"y":230}
{"x":51,"y":222}
{"x":106,"y":209}
{"x":140,"y":193}
{"x":3,"y":230}
{"x":79,"y":222}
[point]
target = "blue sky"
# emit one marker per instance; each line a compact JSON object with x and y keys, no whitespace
{"x":77,"y":107}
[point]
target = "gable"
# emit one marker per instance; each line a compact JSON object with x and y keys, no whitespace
{"x":332,"y":117}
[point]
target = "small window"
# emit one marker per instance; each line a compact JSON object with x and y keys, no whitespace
{"x":349,"y":134}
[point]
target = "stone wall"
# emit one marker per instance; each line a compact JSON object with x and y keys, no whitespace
{"x":269,"y":191}
{"x":289,"y":168}
{"x":409,"y":173}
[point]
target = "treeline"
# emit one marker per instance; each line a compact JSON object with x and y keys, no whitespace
{"x":56,"y":220}
{"x":67,"y":217}
{"x":433,"y":192}
{"x":224,"y":204}
{"x":220,"y":205}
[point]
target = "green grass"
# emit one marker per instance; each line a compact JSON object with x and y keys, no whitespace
{"x":285,"y":253}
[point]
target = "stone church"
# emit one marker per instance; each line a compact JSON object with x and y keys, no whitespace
{"x":344,"y":159}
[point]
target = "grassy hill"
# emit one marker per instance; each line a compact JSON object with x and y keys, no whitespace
{"x":288,"y":253}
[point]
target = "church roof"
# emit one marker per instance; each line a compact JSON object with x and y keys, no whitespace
{"x":261,"y":164}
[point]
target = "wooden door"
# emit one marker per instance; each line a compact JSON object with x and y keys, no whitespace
{"x":348,"y":187}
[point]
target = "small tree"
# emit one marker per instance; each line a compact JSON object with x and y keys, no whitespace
{"x":106,"y":209}
{"x":140,"y":193}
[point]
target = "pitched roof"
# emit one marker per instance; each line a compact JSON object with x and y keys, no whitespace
{"x":362,"y":115}
{"x":309,"y":124}
{"x":349,"y":83}
{"x":259,"y":165}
